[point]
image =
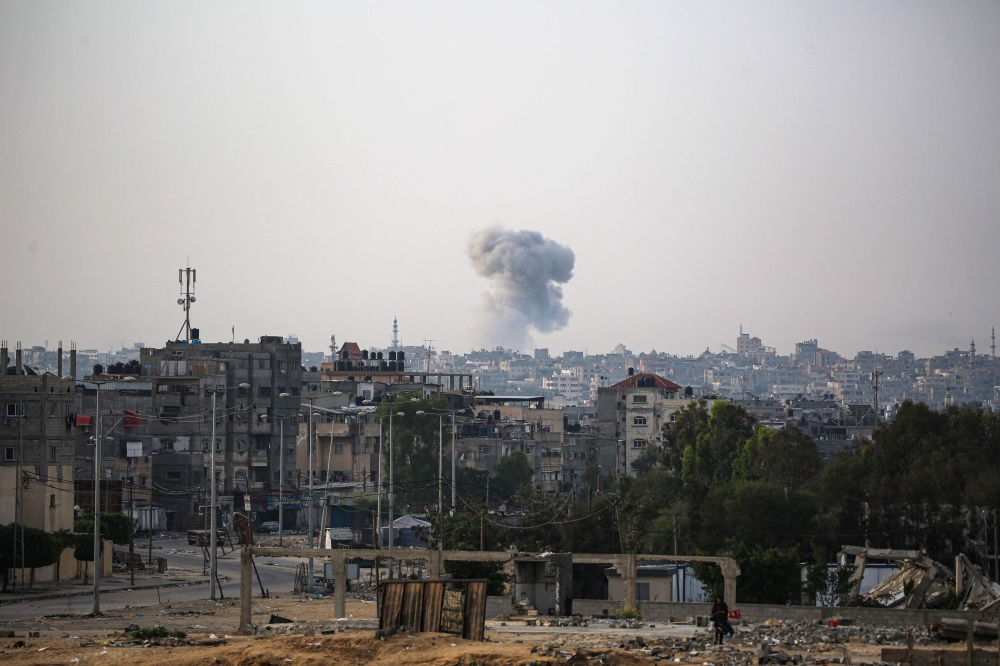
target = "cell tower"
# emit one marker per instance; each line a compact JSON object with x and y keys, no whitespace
{"x":993,"y":346}
{"x":187,"y":278}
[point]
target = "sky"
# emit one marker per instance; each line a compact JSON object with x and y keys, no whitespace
{"x":806,"y":170}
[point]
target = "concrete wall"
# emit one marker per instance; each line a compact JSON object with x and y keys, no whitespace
{"x":662,"y":612}
{"x":68,"y":568}
{"x":497,"y":606}
{"x":39,"y":510}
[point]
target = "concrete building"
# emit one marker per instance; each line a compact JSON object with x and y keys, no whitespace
{"x":37,"y":440}
{"x":183,"y":378}
{"x":632,"y":413}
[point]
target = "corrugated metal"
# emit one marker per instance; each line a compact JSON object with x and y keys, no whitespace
{"x":433,"y":598}
{"x":413,"y":606}
{"x":392,"y":603}
{"x":474,"y":628}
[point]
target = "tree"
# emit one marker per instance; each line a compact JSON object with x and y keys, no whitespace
{"x":767,"y":575}
{"x":513,"y":473}
{"x":115,"y":526}
{"x":414,"y":447}
{"x":787,"y":457}
{"x":41,"y":549}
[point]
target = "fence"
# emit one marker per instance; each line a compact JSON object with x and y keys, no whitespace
{"x":146,"y":565}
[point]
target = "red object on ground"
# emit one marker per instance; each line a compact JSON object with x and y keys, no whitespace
{"x":833,"y":623}
{"x":734,"y":614}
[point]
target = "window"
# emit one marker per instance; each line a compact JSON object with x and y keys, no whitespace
{"x":173,"y":477}
{"x":281,"y":366}
{"x":338,"y":447}
{"x":673,"y":417}
{"x":218,"y":444}
{"x":52,"y":501}
{"x":264,"y":391}
{"x":638,"y":443}
{"x":15,"y":409}
{"x":484,"y":449}
{"x":243,"y":392}
{"x":241,"y":445}
{"x":642,"y":591}
{"x":53,"y":409}
{"x":241,"y":475}
{"x":638,"y":398}
{"x":52,"y":454}
{"x":277,"y":476}
{"x":195,"y":477}
{"x":167,"y":445}
{"x":144,"y":481}
{"x":638,"y":420}
{"x":260,"y":363}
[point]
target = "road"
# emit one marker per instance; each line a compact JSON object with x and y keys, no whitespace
{"x":276,"y":574}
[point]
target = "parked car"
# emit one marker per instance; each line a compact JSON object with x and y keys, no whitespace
{"x":269,"y":526}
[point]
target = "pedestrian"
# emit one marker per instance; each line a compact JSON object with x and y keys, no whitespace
{"x":720,"y":620}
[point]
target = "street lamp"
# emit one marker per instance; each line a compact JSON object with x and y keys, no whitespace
{"x":213,"y":540}
{"x":281,"y":478}
{"x":97,"y":484}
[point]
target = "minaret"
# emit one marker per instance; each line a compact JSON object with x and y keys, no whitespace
{"x":972,"y":351}
{"x":993,"y":347}
{"x":333,"y":348}
{"x":395,"y":332}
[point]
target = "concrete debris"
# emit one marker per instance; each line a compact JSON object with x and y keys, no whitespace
{"x":921,"y":582}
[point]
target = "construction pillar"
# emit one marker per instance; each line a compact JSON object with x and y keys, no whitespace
{"x":339,"y":584}
{"x":435,"y":564}
{"x":730,"y":571}
{"x":246,"y":590}
{"x":628,"y":573}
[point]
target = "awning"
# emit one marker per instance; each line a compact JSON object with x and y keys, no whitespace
{"x":84,"y":420}
{"x":133,"y":419}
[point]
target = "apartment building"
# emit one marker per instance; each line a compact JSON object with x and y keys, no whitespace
{"x":248,"y":381}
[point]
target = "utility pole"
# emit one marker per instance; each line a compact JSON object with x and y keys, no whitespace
{"x":97,"y":505}
{"x":454,"y":481}
{"x":485,"y":509}
{"x":213,"y":544}
{"x":131,"y":536}
{"x":441,"y":479}
{"x":312,"y":580}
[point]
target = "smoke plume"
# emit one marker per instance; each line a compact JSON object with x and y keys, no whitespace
{"x":525,"y":270}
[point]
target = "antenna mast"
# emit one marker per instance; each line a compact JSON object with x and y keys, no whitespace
{"x":430,"y":350}
{"x":876,"y":380}
{"x":187,"y":278}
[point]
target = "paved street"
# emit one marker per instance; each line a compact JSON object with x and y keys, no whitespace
{"x":276,"y":574}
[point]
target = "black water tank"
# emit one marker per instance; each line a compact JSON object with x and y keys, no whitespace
{"x":392,"y":356}
{"x":350,"y":365}
{"x":383,"y":365}
{"x":401,"y":356}
{"x":98,"y":369}
{"x":364,"y":354}
{"x":379,"y":356}
{"x":402,"y":366}
{"x":392,"y":364}
{"x":195,"y":334}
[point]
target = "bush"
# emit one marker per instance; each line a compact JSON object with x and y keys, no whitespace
{"x":627,"y":613}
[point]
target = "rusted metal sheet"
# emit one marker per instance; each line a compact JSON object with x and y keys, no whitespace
{"x":433,"y":600}
{"x":392,"y":603}
{"x":413,"y":606}
{"x":474,"y":628}
{"x":455,"y":606}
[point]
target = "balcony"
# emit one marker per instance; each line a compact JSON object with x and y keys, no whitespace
{"x":258,"y":458}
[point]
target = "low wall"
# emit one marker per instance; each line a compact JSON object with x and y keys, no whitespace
{"x":892,"y":617}
{"x":68,"y":568}
{"x":497,"y":606}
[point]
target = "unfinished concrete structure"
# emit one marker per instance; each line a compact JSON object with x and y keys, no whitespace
{"x":434,"y":562}
{"x":544,"y":582}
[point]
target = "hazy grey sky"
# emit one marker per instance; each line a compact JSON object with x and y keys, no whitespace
{"x":807,"y":169}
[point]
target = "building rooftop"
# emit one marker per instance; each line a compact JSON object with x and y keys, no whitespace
{"x":642,"y":380}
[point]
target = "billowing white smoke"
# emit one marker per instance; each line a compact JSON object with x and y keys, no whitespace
{"x":525,"y":270}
